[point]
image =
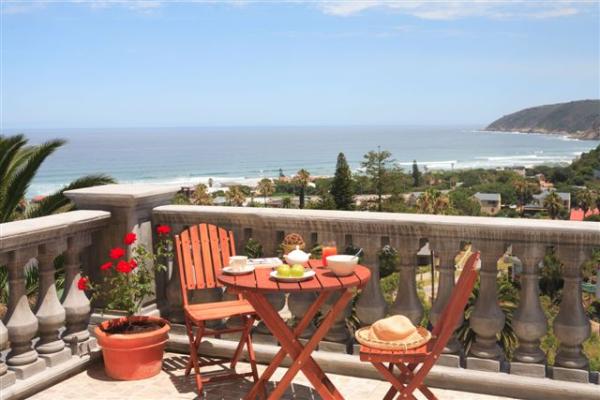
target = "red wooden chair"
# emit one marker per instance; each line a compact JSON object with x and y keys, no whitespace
{"x":415,"y":364}
{"x":202,"y":251}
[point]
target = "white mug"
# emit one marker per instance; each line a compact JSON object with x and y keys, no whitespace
{"x":238,"y":262}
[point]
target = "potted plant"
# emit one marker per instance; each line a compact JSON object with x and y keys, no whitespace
{"x":132,"y":346}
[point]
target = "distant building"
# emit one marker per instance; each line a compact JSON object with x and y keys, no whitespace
{"x":544,"y":184}
{"x":537,"y":204}
{"x":490,"y":202}
{"x":577,"y":214}
{"x":597,"y":174}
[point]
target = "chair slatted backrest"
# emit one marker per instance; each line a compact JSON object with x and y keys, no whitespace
{"x":202,"y":251}
{"x":457,"y":302}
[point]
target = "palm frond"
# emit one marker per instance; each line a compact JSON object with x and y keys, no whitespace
{"x":9,"y":148}
{"x":59,"y":202}
{"x":18,"y":182}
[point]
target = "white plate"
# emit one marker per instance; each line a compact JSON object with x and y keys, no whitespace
{"x":307,"y":275}
{"x":232,"y":271}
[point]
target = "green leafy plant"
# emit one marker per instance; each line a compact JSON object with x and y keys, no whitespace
{"x":253,"y":249}
{"x":127,"y":282}
{"x":388,"y":260}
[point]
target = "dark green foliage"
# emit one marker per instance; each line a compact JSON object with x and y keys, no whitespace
{"x":551,"y":281}
{"x":463,"y":203}
{"x":416,"y":174}
{"x":388,"y":260}
{"x":253,"y":249}
{"x":342,"y":186}
{"x":376,"y":165}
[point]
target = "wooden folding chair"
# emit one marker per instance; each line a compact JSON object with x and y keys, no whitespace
{"x":202,"y":251}
{"x":415,"y":364}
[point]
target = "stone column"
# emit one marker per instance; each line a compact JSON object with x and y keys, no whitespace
{"x":571,"y":325}
{"x":529,"y":321}
{"x":298,"y":303}
{"x":131,"y":211}
{"x":407,"y":300}
{"x":451,"y":353}
{"x":22,"y":325}
{"x":76,"y":304}
{"x":487,"y":318}
{"x":48,"y":310}
{"x":371,"y":305}
{"x":261,"y":333}
{"x":7,"y":377}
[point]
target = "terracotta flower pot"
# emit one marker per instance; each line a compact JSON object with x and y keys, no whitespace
{"x":133,"y":356}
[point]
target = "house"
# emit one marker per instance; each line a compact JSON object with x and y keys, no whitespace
{"x":577,"y":214}
{"x":597,"y":173}
{"x":537,"y":204}
{"x":544,"y":184}
{"x":490,"y":202}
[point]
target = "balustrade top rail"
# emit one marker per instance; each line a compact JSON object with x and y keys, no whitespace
{"x":500,"y":229}
{"x":31,"y":232}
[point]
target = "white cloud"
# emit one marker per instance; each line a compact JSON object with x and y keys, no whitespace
{"x":449,"y":10}
{"x":23,"y":6}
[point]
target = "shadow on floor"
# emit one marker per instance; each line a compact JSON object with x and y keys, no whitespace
{"x":175,"y":366}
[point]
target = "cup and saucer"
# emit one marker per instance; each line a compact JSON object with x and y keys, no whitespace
{"x":238,"y":265}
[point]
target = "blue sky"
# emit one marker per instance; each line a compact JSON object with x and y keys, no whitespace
{"x":143,"y":63}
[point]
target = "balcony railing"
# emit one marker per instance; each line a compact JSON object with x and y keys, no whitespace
{"x":54,"y":330}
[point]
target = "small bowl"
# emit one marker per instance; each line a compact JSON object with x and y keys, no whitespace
{"x":342,"y":265}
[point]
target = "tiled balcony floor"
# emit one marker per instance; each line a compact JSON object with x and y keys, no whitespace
{"x":172,"y":384}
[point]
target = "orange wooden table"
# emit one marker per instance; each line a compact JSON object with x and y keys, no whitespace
{"x":256,"y":285}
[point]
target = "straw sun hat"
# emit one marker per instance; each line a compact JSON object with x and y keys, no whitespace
{"x":393,"y":333}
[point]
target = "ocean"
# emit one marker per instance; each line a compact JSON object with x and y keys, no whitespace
{"x":191,"y":155}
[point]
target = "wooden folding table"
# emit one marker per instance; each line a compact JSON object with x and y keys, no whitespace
{"x":257,"y":285}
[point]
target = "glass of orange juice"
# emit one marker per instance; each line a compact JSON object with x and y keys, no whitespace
{"x":329,"y":249}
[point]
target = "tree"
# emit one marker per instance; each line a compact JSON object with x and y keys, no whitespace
{"x":342,"y":185}
{"x":235,"y":196}
{"x":286,"y":202}
{"x":433,"y":201}
{"x":376,"y":168}
{"x":266,"y":188}
{"x":302,"y":178}
{"x":524,"y":190}
{"x":462,"y":202}
{"x":416,"y":174}
{"x":553,"y":204}
{"x":19,"y":164}
{"x":585,"y":200}
{"x":201,"y":197}
{"x":281,"y":174}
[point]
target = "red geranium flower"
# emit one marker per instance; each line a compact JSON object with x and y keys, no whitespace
{"x":106,"y":265}
{"x":129,"y":238}
{"x":133,"y":264}
{"x":163,"y":230}
{"x":115,"y":253}
{"x":123,"y":267}
{"x":82,"y":284}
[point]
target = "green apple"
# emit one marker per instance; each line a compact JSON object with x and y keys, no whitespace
{"x":297,"y":270}
{"x":284,"y":270}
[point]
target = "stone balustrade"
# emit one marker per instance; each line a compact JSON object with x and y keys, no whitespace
{"x":55,"y":328}
{"x":521,"y":241}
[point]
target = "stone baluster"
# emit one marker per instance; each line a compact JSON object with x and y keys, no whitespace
{"x":371,"y":305}
{"x":75,"y":302}
{"x":338,"y":338}
{"x":451,"y":353}
{"x":7,"y":377}
{"x":22,"y":325}
{"x":407,"y":299}
{"x":48,"y":310}
{"x":487,"y":319}
{"x":529,"y":321}
{"x":298,"y":303}
{"x":571,"y":325}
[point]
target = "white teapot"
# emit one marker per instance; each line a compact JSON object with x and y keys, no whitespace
{"x":297,"y":256}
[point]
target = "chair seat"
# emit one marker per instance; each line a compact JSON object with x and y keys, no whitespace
{"x":417,"y":354}
{"x":222,"y":309}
